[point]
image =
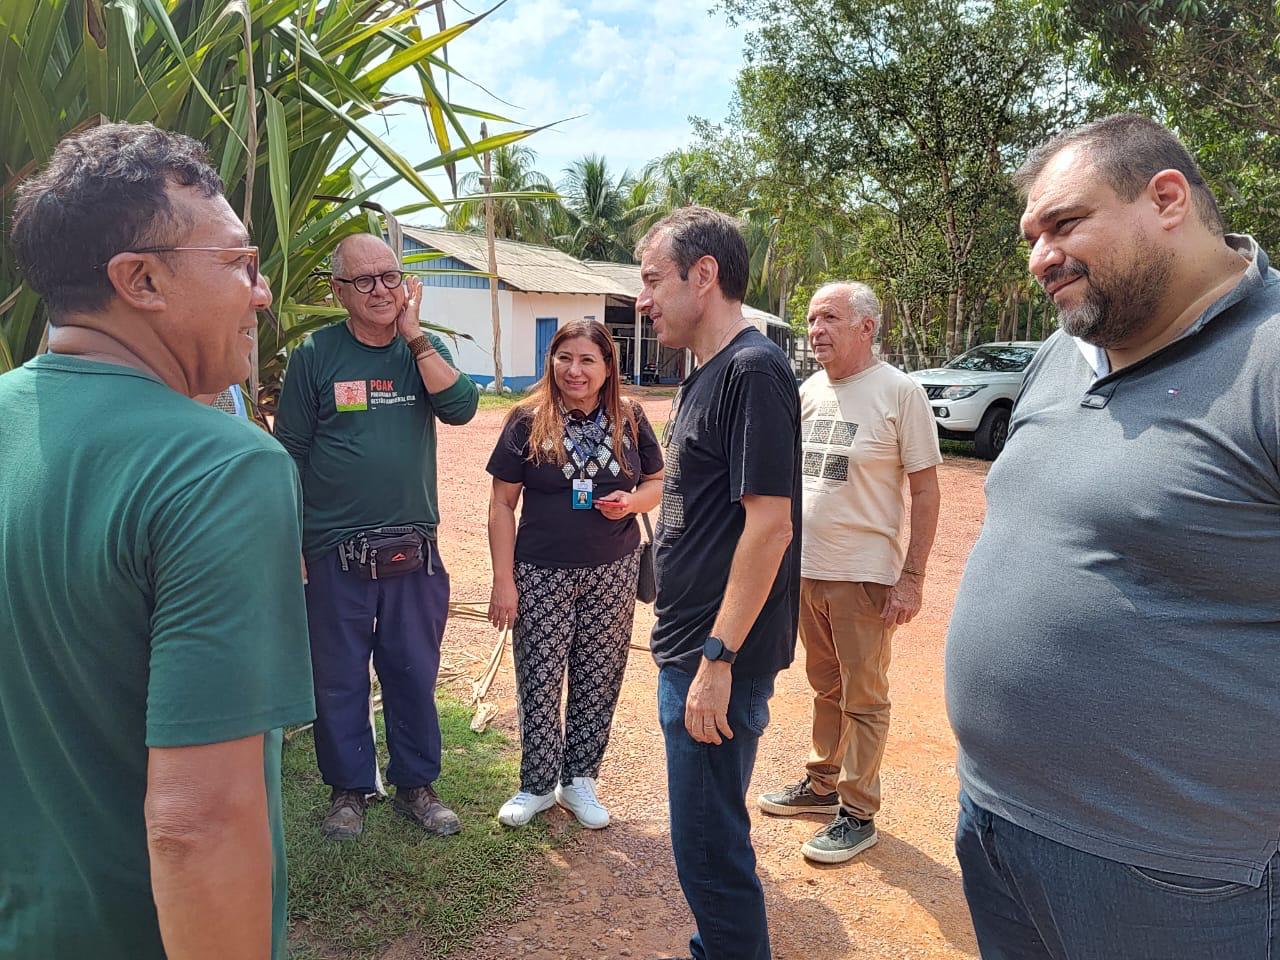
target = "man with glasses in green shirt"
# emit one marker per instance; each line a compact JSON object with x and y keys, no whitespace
{"x":152,"y":624}
{"x":358,"y":414}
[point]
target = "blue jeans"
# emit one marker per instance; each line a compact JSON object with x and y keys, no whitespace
{"x":1032,"y":898}
{"x":710,"y":825}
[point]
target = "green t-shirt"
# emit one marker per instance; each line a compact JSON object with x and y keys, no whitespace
{"x":151,"y":597}
{"x":362,"y":428}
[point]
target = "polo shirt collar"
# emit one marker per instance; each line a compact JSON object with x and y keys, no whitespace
{"x":1257,"y":275}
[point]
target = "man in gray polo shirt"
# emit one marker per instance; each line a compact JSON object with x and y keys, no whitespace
{"x":1112,"y":658}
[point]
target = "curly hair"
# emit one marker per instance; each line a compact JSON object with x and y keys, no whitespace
{"x":102,"y":192}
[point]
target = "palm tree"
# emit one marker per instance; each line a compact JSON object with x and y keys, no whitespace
{"x":514,"y":218}
{"x":280,"y":92}
{"x":595,"y":205}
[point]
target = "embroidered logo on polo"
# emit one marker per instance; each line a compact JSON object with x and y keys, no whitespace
{"x":827,"y":430}
{"x":355,"y":395}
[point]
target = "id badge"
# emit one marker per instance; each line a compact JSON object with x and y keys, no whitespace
{"x":582,"y":494}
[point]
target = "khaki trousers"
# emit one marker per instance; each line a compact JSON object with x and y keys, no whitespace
{"x":847,"y":649}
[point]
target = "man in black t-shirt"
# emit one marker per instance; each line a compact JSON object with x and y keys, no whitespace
{"x":727,"y":562}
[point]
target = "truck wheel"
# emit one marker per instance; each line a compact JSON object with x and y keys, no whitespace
{"x":992,"y":432}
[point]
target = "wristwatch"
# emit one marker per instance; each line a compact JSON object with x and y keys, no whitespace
{"x":713,"y":648}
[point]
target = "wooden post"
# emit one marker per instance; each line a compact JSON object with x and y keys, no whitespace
{"x":637,"y":346}
{"x":493,"y":265}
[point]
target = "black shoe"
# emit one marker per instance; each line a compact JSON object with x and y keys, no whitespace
{"x":423,"y":807}
{"x":345,"y":819}
{"x":842,"y":839}
{"x":799,"y":798}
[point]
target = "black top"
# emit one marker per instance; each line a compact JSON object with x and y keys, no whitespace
{"x":551,"y":532}
{"x":736,"y":432}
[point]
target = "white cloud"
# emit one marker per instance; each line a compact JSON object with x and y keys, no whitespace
{"x":635,"y":70}
{"x":509,"y":42}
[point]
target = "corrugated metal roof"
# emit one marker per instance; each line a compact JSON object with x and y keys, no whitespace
{"x":537,"y":269}
{"x":525,"y":266}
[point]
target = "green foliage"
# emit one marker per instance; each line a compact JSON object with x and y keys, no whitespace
{"x":396,"y":884}
{"x":282,"y":93}
{"x":896,"y":126}
{"x":594,"y":222}
{"x":1209,"y":70}
{"x":522,"y":216}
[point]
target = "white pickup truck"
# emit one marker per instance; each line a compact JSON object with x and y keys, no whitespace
{"x":973,"y":394}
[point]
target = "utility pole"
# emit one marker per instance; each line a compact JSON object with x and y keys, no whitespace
{"x":493,"y":264}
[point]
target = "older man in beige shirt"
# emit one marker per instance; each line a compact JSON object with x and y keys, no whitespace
{"x":866,"y":427}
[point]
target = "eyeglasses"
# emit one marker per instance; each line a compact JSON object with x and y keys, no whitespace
{"x":249,"y":253}
{"x":365,"y":284}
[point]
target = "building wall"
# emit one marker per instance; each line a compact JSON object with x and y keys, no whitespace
{"x":526,"y":308}
{"x":466,"y":310}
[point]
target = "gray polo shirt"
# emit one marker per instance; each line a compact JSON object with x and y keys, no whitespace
{"x":1113,"y":661}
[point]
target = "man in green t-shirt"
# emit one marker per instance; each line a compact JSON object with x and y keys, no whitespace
{"x":152,"y":623}
{"x":358,"y":414}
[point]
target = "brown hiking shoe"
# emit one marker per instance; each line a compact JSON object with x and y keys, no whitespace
{"x":423,"y":807}
{"x":345,"y":819}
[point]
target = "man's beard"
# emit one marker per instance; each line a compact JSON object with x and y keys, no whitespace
{"x":1114,"y":308}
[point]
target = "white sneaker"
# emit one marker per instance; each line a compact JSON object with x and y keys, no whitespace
{"x":579,"y":798}
{"x":523,"y":807}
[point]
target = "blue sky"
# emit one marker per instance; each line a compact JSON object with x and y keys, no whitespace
{"x":631,"y":71}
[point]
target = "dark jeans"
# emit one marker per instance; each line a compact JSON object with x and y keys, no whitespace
{"x":410,"y":611}
{"x":1032,"y":898}
{"x":710,"y":825}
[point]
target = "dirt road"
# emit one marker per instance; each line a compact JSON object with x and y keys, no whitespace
{"x":614,"y":893}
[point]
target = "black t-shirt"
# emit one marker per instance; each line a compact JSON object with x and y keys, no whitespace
{"x":736,"y":432}
{"x":551,"y":532}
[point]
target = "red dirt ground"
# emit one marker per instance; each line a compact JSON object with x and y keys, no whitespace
{"x":614,"y":893}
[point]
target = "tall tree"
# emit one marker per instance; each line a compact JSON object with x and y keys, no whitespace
{"x":279,"y":90}
{"x":595,"y":204}
{"x":1209,"y":70}
{"x":917,"y":110}
{"x":526,"y":218}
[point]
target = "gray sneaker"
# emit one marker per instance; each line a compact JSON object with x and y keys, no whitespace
{"x":423,"y":807}
{"x":798,"y":798}
{"x":842,"y":839}
{"x":345,"y":819}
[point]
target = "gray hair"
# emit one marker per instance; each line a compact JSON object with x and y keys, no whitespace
{"x":862,"y":300}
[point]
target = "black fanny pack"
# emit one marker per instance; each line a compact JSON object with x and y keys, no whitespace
{"x":384,"y":552}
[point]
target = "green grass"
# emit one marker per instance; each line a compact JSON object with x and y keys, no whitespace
{"x":499,"y":401}
{"x":351,"y":900}
{"x":958,"y":448}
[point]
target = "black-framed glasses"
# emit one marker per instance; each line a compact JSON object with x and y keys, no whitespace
{"x":250,"y":254}
{"x":365,"y":284}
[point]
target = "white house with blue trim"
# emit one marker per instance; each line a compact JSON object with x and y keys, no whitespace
{"x":540,"y":289}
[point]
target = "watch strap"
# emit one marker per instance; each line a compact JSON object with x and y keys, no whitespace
{"x":725,"y":655}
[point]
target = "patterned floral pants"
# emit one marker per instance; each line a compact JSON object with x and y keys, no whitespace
{"x":579,"y":619}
